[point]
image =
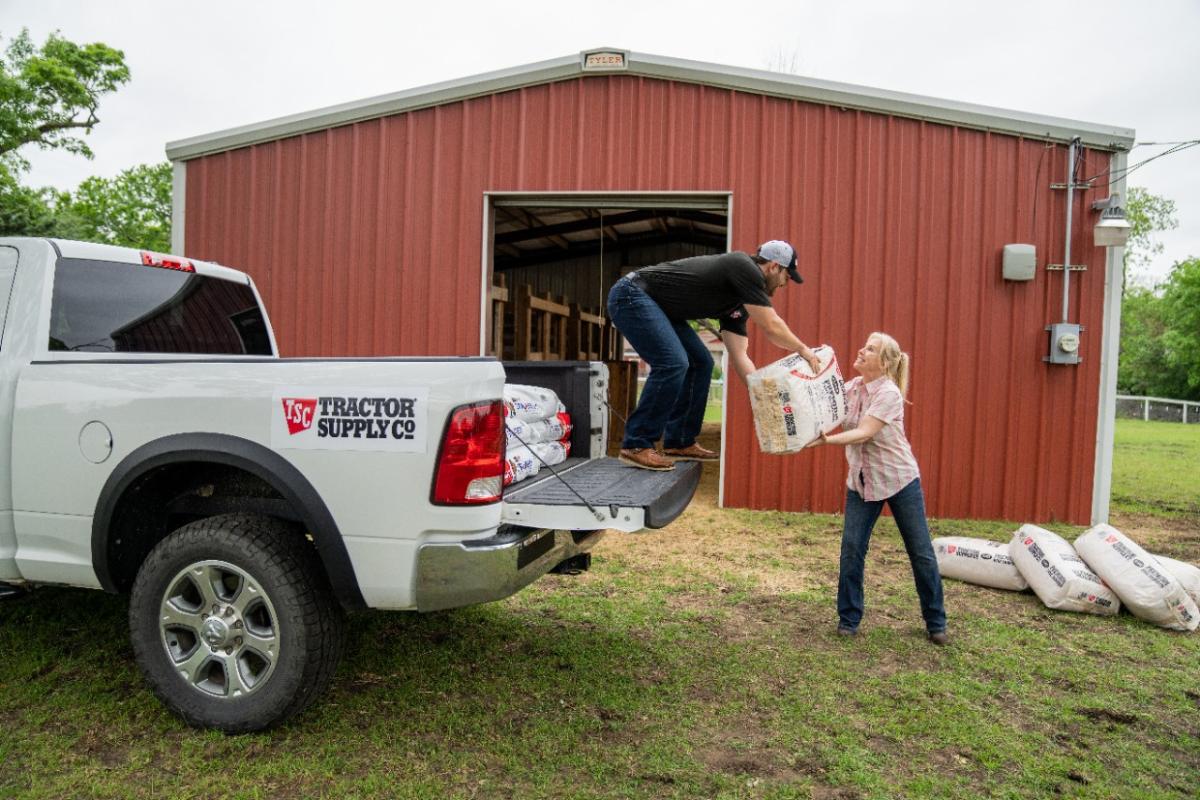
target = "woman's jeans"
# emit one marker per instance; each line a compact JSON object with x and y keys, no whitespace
{"x":676,"y":391}
{"x":908,"y":508}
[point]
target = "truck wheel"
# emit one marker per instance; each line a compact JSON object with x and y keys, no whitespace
{"x":234,"y":624}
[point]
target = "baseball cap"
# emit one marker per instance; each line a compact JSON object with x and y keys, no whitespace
{"x":781,"y":253}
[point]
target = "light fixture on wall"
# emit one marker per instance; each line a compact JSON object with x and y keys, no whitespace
{"x":1113,"y":228}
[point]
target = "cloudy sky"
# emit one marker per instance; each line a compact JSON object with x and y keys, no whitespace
{"x":203,"y":67}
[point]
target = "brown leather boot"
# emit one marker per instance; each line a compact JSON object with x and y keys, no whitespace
{"x":693,"y":452}
{"x":646,"y":458}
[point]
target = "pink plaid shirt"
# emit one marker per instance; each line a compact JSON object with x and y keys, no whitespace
{"x":883,"y":465}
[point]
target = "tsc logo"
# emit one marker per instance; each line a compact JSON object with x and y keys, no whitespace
{"x":1110,"y":539}
{"x":299,"y":413}
{"x":1028,"y":540}
{"x":951,"y":549}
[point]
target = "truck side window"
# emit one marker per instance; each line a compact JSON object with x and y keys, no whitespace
{"x":8,"y":270}
{"x":109,"y":307}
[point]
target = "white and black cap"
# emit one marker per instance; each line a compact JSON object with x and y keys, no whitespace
{"x":783,"y":254}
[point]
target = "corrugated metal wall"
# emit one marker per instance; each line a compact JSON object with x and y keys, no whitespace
{"x":366,"y":239}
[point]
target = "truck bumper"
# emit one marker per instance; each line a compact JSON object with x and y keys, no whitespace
{"x":451,"y":575}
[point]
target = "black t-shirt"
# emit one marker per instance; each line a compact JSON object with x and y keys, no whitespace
{"x":703,"y":287}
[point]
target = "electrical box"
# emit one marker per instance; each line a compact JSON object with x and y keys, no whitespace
{"x":1064,"y":343}
{"x":1019,"y":262}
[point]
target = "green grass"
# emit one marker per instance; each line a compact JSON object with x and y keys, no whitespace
{"x":696,"y":662}
{"x":1156,"y":469}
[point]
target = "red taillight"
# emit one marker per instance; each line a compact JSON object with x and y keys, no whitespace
{"x":470,"y":467}
{"x":167,"y":262}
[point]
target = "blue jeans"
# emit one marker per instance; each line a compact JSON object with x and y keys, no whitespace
{"x":908,"y":507}
{"x":676,"y":391}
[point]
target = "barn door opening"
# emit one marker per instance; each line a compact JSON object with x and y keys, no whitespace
{"x":551,"y":260}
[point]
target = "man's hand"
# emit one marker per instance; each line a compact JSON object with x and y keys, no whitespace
{"x":812,"y":360}
{"x":779,"y":334}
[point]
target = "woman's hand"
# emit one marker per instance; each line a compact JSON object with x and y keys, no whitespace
{"x":817,"y":441}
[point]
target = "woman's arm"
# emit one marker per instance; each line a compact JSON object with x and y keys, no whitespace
{"x":868,"y":426}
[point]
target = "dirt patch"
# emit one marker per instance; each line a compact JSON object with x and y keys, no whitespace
{"x":1109,"y":716}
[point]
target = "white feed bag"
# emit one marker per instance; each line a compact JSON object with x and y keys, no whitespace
{"x":554,"y":429}
{"x":792,"y":405}
{"x":1187,"y":574}
{"x":1057,"y":574}
{"x":1147,"y":589}
{"x":530,"y":403}
{"x":978,"y":561}
{"x":523,"y":462}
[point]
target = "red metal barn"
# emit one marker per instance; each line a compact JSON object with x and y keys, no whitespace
{"x":380,"y":227}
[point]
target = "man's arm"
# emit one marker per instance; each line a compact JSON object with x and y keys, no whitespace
{"x":780,"y":335}
{"x":736,"y":347}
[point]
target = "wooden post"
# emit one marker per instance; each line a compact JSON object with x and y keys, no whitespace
{"x":622,"y":399}
{"x":499,"y":295}
{"x":523,"y":323}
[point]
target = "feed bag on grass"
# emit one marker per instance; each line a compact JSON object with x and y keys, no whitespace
{"x":1146,"y":588}
{"x":1187,"y":574}
{"x":792,"y":405}
{"x":1057,"y":574}
{"x":978,"y":561}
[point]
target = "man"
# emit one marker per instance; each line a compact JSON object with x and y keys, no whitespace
{"x":651,"y":307}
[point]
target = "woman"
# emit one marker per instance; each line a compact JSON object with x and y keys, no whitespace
{"x":882,"y":470}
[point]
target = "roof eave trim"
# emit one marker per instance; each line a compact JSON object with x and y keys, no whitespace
{"x":791,"y":87}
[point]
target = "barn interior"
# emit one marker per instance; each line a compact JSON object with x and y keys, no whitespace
{"x":552,"y":267}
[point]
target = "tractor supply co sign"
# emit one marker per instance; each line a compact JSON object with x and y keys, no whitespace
{"x":381,"y":419}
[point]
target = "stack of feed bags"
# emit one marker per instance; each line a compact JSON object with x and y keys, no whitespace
{"x":1147,"y":588}
{"x":538,"y":431}
{"x":978,"y":561}
{"x":792,"y":405}
{"x":1057,"y":575}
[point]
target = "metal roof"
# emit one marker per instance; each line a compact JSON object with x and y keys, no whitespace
{"x":775,"y":84}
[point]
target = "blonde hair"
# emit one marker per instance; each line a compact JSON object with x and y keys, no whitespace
{"x":893,"y":360}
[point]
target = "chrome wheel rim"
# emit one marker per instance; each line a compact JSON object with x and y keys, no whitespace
{"x":219,"y":629}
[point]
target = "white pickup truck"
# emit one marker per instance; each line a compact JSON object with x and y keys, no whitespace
{"x":152,"y":443}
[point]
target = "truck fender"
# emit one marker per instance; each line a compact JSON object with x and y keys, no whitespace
{"x":254,"y":458}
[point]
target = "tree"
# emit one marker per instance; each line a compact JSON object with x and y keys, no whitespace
{"x":49,"y":94}
{"x":1148,"y":214}
{"x":1181,"y":337}
{"x":1160,"y":336}
{"x":24,"y":211}
{"x":1142,"y":362}
{"x":132,"y":209}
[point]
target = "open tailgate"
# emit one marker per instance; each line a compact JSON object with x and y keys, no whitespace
{"x":621,"y":497}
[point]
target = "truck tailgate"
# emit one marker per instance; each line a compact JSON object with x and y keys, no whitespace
{"x":621,"y":497}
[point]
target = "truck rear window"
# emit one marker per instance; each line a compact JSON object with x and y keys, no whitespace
{"x":109,"y":307}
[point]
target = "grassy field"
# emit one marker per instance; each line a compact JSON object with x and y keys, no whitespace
{"x":695,"y":662}
{"x":1155,"y":469}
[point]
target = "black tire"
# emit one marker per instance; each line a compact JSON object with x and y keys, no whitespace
{"x":254,"y":649}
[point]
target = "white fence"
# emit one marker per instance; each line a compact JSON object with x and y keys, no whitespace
{"x":1158,"y":408}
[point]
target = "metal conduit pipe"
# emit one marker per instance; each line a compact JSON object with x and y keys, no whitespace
{"x":1067,"y":250}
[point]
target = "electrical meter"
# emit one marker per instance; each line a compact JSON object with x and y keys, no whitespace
{"x":1064,"y":343}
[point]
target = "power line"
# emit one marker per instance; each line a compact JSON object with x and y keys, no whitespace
{"x":1179,"y":147}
